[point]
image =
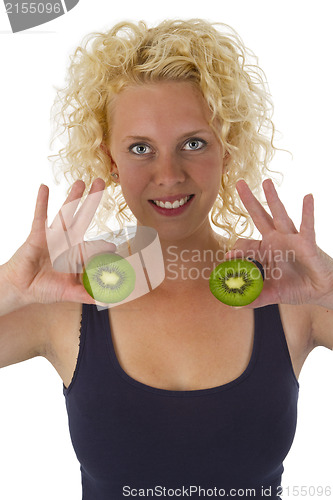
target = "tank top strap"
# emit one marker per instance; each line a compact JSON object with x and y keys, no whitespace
{"x":274,"y":352}
{"x":232,"y":436}
{"x":270,"y":354}
{"x":93,"y":347}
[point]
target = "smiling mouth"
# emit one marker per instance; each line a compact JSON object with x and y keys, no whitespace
{"x":172,"y":205}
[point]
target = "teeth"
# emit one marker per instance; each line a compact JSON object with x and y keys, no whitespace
{"x":175,"y":204}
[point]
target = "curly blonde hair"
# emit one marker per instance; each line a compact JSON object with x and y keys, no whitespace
{"x":210,"y":55}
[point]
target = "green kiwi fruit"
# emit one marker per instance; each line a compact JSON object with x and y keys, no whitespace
{"x":237,"y":282}
{"x":108,"y":278}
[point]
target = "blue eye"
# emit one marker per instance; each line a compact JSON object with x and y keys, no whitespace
{"x":194,"y":144}
{"x":140,"y":149}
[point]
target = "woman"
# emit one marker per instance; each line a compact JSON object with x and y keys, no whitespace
{"x":173,"y":393}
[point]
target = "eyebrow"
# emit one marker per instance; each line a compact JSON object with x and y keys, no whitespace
{"x":183,"y":136}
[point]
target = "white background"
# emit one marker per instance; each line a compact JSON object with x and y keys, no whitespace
{"x":293,"y":41}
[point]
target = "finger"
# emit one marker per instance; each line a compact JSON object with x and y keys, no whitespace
{"x":72,"y":202}
{"x":307,"y":223}
{"x":262,"y":220}
{"x":76,"y":192}
{"x":85,"y":214}
{"x":281,"y":220}
{"x":63,"y":233}
{"x":40,"y":214}
{"x":64,"y":218}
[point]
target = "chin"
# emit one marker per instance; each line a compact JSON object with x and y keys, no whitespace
{"x":175,"y":235}
{"x":174,"y":231}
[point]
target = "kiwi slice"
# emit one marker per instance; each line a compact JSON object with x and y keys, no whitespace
{"x":237,"y":282}
{"x":108,"y":278}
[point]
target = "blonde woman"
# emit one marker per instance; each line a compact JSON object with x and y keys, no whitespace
{"x":173,"y":393}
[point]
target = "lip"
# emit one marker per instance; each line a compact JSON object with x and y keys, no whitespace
{"x":171,"y":212}
{"x":172,"y":198}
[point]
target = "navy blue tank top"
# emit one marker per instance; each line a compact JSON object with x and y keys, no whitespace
{"x":135,"y":440}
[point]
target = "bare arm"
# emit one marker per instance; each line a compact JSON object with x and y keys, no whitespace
{"x":20,"y":333}
{"x":304,"y":279}
{"x":23,"y":334}
{"x":31,"y":290}
{"x":10,"y":297}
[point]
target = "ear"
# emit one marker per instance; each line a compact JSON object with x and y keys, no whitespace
{"x":106,"y":150}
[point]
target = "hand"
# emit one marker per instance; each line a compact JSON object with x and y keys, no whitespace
{"x":297,"y":270}
{"x":31,"y":269}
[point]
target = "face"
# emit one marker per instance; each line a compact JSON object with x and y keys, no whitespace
{"x":168,"y":158}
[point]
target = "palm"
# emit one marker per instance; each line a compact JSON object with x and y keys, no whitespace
{"x":33,"y":275}
{"x":297,"y":271}
{"x":46,"y":270}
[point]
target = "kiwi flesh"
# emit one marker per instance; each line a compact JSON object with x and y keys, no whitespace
{"x":237,"y":282}
{"x":108,"y":278}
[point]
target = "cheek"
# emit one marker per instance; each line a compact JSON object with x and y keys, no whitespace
{"x":209,"y":177}
{"x":132,"y":185}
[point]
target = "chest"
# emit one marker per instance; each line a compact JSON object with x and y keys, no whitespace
{"x":148,"y":433}
{"x":185,"y":344}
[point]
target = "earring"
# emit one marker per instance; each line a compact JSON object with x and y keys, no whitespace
{"x":115,"y":176}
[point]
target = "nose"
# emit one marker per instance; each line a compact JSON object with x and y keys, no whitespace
{"x":168,"y":170}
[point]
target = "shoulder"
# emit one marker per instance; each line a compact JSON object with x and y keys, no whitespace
{"x":62,"y":339}
{"x":297,"y":326}
{"x":42,"y":322}
{"x":47,"y":324}
{"x":62,"y":321}
{"x":39,"y":330}
{"x":53,"y":318}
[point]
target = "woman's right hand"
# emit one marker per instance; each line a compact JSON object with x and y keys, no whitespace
{"x":31,"y":274}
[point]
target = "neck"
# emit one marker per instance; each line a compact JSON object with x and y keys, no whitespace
{"x":190,"y":261}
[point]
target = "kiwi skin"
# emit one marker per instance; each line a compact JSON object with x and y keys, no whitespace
{"x":108,"y":278}
{"x":237,"y":282}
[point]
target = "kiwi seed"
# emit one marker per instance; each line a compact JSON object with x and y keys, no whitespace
{"x":237,"y":282}
{"x":108,"y":278}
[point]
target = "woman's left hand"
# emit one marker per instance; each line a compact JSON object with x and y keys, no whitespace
{"x":297,"y":271}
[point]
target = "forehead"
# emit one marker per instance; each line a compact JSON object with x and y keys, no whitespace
{"x":155,"y":106}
